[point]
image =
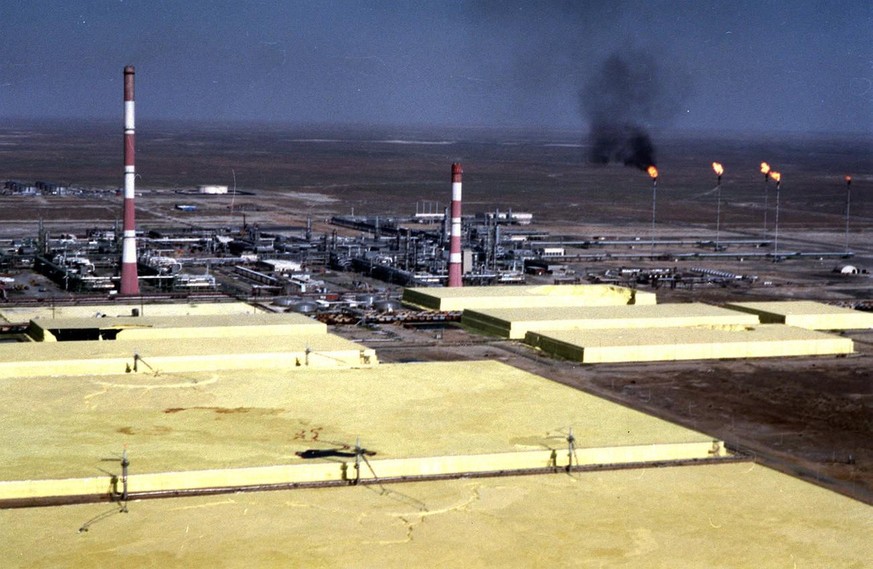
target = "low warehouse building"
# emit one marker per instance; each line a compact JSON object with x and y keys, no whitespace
{"x":152,"y":357}
{"x":470,"y":297}
{"x":692,"y":343}
{"x":263,"y":325}
{"x":124,"y":308}
{"x":515,"y":323}
{"x":807,"y":314}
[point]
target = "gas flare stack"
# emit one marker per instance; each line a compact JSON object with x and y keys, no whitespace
{"x":129,"y":278}
{"x":653,"y":173}
{"x":455,"y":239}
{"x":777,"y":177}
{"x":765,"y":169}
{"x":719,"y":170}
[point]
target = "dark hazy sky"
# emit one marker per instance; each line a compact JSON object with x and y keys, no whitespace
{"x":787,"y":65}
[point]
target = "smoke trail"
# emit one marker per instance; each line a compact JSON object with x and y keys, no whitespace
{"x":626,"y":143}
{"x":623,"y":98}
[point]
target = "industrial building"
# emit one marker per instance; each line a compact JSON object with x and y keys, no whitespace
{"x":124,"y":308}
{"x":807,"y":314}
{"x":515,"y":323}
{"x":689,"y":343}
{"x":605,"y":323}
{"x":153,"y":328}
{"x":530,"y":296}
{"x":105,"y":346}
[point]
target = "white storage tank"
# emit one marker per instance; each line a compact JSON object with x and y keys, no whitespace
{"x":212,"y":189}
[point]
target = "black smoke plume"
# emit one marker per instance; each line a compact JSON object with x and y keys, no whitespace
{"x":624,"y":97}
{"x":628,"y":144}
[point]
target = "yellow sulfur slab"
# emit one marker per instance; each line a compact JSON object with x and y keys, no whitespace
{"x":807,"y":314}
{"x":125,"y":308}
{"x":345,"y":469}
{"x":263,"y":325}
{"x":150,"y":356}
{"x":694,"y":343}
{"x":472,"y":297}
{"x":61,"y":428}
{"x":723,"y":515}
{"x":514,"y":323}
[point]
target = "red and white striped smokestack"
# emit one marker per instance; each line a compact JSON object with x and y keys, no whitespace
{"x":455,"y":239}
{"x":129,"y":277}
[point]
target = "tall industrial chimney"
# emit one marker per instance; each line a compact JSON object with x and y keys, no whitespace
{"x":455,"y":240}
{"x":129,"y":278}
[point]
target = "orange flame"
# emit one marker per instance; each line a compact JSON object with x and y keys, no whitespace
{"x":717,"y":168}
{"x":776,"y":176}
{"x":765,"y":168}
{"x":653,"y":172}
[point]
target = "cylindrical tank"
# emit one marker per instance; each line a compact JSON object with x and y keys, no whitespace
{"x":386,"y":305}
{"x":365,"y":299}
{"x":304,"y":307}
{"x":212,"y":189}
